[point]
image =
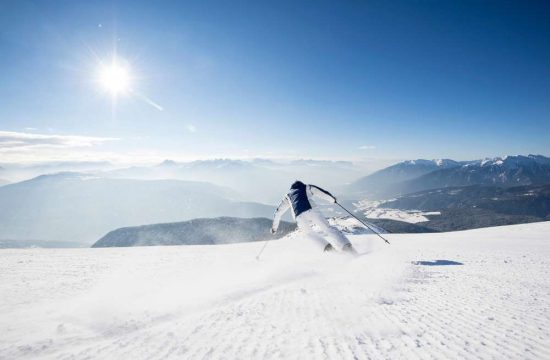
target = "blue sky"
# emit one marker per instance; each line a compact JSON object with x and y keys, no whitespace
{"x":344,"y":79}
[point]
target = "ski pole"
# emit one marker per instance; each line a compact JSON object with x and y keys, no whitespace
{"x":361,"y":221}
{"x":261,"y":251}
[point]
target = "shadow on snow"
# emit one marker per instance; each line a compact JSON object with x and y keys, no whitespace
{"x":437,"y":263}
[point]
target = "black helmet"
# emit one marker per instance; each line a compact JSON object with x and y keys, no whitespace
{"x":297,"y":185}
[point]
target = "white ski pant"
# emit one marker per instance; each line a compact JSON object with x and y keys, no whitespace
{"x":316,"y":227}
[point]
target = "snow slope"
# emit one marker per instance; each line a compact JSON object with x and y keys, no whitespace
{"x":476,"y":294}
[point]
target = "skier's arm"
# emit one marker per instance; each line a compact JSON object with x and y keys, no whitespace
{"x":321,"y":193}
{"x":281,"y":209}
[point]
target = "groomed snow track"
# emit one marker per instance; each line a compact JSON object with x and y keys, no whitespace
{"x":480,"y":294}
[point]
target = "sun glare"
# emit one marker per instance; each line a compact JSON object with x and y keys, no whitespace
{"x":115,"y":78}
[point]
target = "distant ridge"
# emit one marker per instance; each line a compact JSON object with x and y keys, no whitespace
{"x":221,"y":230}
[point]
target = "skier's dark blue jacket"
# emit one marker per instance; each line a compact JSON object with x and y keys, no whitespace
{"x":298,"y":199}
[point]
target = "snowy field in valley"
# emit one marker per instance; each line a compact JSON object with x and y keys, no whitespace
{"x":372,"y":211}
{"x":479,"y":294}
{"x":410,"y":216}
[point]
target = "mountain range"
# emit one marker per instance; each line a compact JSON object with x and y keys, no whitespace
{"x":418,"y":175}
{"x":80,"y":208}
{"x":260,"y":180}
{"x":77,"y":207}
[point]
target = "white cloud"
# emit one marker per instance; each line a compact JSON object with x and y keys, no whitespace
{"x":367,"y":147}
{"x":24,"y":147}
{"x":19,"y":140}
{"x":191,"y":128}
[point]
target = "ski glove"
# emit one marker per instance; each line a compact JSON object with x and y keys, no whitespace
{"x":272,"y":231}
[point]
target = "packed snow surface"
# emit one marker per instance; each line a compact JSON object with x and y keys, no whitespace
{"x":478,"y":294}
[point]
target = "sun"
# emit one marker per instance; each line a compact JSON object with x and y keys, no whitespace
{"x":115,"y":78}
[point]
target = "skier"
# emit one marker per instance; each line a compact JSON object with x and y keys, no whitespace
{"x":308,"y":218}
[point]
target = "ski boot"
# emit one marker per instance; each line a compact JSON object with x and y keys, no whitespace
{"x":349,"y":249}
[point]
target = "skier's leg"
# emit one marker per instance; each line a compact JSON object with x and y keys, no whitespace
{"x":305,"y":226}
{"x":336,"y":237}
{"x":319,"y":241}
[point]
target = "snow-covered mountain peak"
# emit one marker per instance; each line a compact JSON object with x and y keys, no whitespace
{"x":418,"y":162}
{"x":489,"y":161}
{"x":416,"y":175}
{"x":442,"y":163}
{"x":512,"y":161}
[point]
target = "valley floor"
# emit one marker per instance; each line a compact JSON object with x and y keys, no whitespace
{"x":478,"y":294}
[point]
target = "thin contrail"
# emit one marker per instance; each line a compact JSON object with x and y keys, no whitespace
{"x":147,"y":100}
